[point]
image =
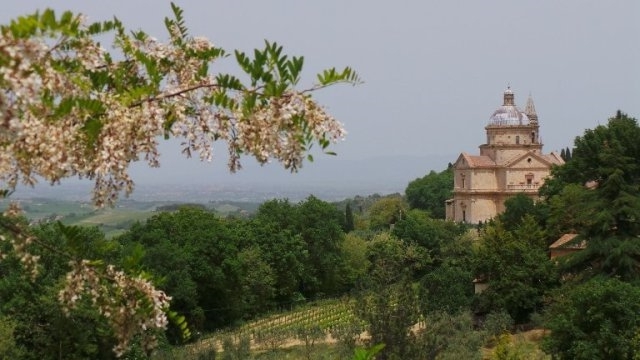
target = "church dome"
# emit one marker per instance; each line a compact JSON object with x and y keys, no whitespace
{"x":508,"y":113}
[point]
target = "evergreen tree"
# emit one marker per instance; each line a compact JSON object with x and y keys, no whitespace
{"x":516,"y":267}
{"x":389,"y":301}
{"x":605,"y":171}
{"x":599,"y":319}
{"x":348,"y":218}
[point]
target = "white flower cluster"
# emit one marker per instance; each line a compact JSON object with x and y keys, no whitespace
{"x":282,"y":128}
{"x":19,"y":241}
{"x":131,"y":305}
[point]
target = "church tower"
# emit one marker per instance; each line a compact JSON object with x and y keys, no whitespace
{"x":510,"y":162}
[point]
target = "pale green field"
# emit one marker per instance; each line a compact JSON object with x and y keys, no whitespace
{"x":112,"y":221}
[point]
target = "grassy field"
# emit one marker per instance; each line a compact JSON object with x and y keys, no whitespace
{"x":42,"y":209}
{"x":112,"y":221}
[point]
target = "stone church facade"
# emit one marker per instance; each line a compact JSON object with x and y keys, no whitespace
{"x":510,"y":162}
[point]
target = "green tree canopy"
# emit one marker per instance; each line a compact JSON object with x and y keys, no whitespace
{"x":598,"y":153}
{"x":516,"y":267}
{"x":605,"y":172}
{"x":321,"y":229}
{"x":386,"y":211}
{"x":197,"y":256}
{"x":516,"y":208}
{"x":286,"y":253}
{"x":318,"y":225}
{"x":448,"y":286}
{"x":388,"y":303}
{"x":431,"y":191}
{"x":416,"y":226}
{"x":599,"y":319}
{"x":349,"y":221}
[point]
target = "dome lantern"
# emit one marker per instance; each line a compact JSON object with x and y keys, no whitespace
{"x":508,"y":114}
{"x":508,"y":97}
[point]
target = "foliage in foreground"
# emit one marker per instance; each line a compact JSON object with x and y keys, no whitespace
{"x":69,"y":107}
{"x":599,"y":319}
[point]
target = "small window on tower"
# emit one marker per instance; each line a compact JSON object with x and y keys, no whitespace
{"x":517,"y":140}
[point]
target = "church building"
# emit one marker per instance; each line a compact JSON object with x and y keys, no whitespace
{"x":511,"y":162}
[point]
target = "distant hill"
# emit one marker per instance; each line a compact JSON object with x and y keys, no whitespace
{"x":328,"y":178}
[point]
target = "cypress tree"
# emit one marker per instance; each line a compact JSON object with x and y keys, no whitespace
{"x":348,"y":218}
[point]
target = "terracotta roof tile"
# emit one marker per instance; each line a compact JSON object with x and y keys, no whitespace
{"x":480,"y":161}
{"x":554,"y":158}
{"x":566,"y":238}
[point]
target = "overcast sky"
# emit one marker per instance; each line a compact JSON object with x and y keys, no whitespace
{"x":434,"y":71}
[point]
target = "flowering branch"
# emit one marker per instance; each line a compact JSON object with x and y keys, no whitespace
{"x":70,"y":110}
{"x":130,"y":304}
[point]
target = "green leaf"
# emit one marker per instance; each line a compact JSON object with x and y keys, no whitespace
{"x":243,"y":61}
{"x":92,"y":128}
{"x":132,"y":262}
{"x":295,"y":67}
{"x":179,"y":15}
{"x":229,"y":82}
{"x":180,"y":322}
{"x":331,"y":76}
{"x":368,"y":354}
{"x":48,"y":19}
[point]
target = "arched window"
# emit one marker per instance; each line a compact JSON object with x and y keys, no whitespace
{"x":464,"y":211}
{"x":517,"y":140}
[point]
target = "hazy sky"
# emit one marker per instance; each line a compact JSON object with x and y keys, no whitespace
{"x":434,"y":71}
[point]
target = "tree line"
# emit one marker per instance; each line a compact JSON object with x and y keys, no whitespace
{"x":399,"y":261}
